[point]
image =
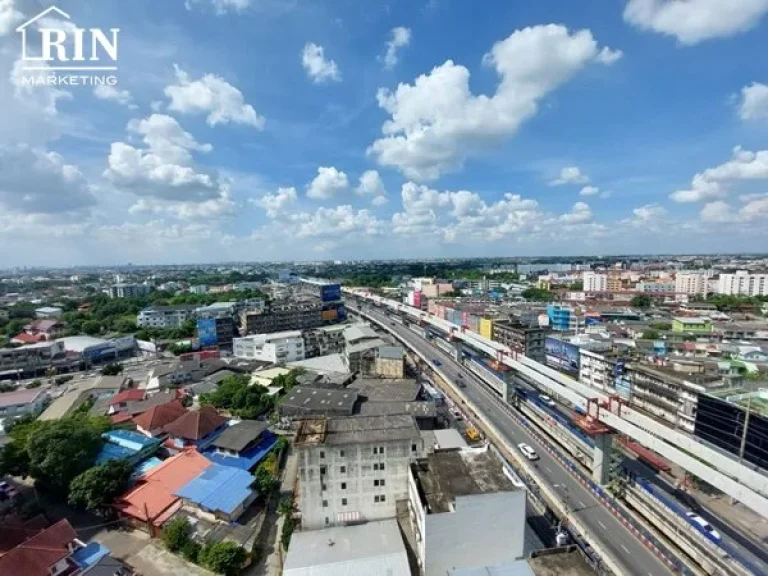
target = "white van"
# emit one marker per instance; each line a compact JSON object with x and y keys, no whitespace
{"x":527,"y":451}
{"x":705,"y":526}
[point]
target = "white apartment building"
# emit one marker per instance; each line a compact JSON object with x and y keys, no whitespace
{"x":164,"y":316}
{"x":742,"y":283}
{"x":656,"y":287}
{"x":354,"y":469}
{"x":128,"y":290}
{"x":275,"y":347}
{"x":595,"y":282}
{"x":691,"y":283}
{"x":596,"y":370}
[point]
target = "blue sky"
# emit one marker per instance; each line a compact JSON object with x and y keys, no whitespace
{"x":335,"y":129}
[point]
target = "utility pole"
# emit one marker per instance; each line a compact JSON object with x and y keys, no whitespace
{"x":746,"y":428}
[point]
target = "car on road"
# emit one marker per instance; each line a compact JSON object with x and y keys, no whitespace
{"x":704,"y":526}
{"x":547,"y":400}
{"x":527,"y":451}
{"x":436,"y":362}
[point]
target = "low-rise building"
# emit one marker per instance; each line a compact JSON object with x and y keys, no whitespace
{"x":373,"y":549}
{"x":390,"y":362}
{"x":280,"y":316}
{"x":354,"y":469}
{"x":523,"y":338}
{"x":305,"y":402}
{"x":164,"y":316}
{"x":49,"y":312}
{"x":465,"y":511}
{"x":35,"y":359}
{"x":242,"y":445}
{"x":152,"y":422}
{"x":276,"y":347}
{"x":22,"y":402}
{"x":323,"y":340}
{"x":692,"y":325}
{"x":128,"y":290}
{"x":133,"y":447}
{"x":47,"y":553}
{"x":195,"y":428}
{"x":218,"y":493}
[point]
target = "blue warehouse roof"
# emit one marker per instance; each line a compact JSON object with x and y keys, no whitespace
{"x":124,"y":444}
{"x":247,"y":459}
{"x":219,"y":488}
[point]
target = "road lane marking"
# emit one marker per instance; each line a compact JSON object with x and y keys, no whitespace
{"x":581,"y":504}
{"x":625,"y":549}
{"x":548,"y":469}
{"x":602,"y":525}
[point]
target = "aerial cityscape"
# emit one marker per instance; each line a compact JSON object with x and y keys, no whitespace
{"x":394,"y":288}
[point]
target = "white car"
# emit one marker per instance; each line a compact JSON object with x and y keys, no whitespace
{"x":527,"y":451}
{"x":705,"y":526}
{"x":547,"y":400}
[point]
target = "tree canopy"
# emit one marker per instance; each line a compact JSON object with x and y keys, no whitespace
{"x":95,"y":488}
{"x":223,"y":557}
{"x":537,"y":295}
{"x":237,"y":396}
{"x":641,"y":301}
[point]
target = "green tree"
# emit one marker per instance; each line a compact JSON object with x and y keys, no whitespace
{"x":641,"y":301}
{"x":537,"y":295}
{"x":91,"y":327}
{"x":95,"y":488}
{"x":14,"y":460}
{"x":190,"y":551}
{"x":177,"y":533}
{"x":112,"y":369}
{"x":60,"y":450}
{"x":650,"y":335}
{"x":236,"y":395}
{"x":661,"y":326}
{"x":15,"y":326}
{"x":223,"y":557}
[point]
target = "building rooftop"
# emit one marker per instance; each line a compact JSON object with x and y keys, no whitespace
{"x":319,"y":399}
{"x":328,"y":363}
{"x":692,"y":320}
{"x":196,"y":424}
{"x":363,"y":345}
{"x":392,"y":352}
{"x":159,"y":416}
{"x":449,"y":438}
{"x":447,"y":474}
{"x":357,"y":332}
{"x":386,"y":389}
{"x":416,"y":409}
{"x":35,"y":556}
{"x":81,"y":343}
{"x":20,"y":397}
{"x":357,"y":430}
{"x":218,"y":488}
{"x":154,"y":495}
{"x":238,"y":436}
{"x":372,"y":549}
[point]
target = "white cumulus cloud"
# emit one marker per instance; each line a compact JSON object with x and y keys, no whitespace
{"x":112,"y":94}
{"x":213,"y":96}
{"x":220,"y":7}
{"x":400,"y":38}
{"x":276,"y":204}
{"x":570,"y":175}
{"x":754,"y":102}
{"x":318,"y":67}
{"x":693,"y":21}
{"x":437,"y":121}
{"x":371,"y":185}
{"x":589,"y":191}
{"x":9,"y":17}
{"x":328,"y":182}
{"x":712,"y":182}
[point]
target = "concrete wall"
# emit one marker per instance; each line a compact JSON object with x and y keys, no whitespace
{"x":484,"y":529}
{"x":390,"y":367}
{"x":356,"y":483}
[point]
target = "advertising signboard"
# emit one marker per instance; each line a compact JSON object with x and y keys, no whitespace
{"x":206,"y":332}
{"x":562,"y":355}
{"x":330,"y":292}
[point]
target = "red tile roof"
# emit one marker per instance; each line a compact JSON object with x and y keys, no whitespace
{"x":196,"y":424}
{"x":126,"y":395}
{"x":36,"y":555}
{"x":158,"y":416}
{"x":25,"y":338}
{"x":155,"y":495}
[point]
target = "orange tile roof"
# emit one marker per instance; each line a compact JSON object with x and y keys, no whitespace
{"x":126,"y":395}
{"x":196,"y":424}
{"x":155,"y":494}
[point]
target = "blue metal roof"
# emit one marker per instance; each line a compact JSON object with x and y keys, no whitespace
{"x":247,"y":459}
{"x":145,"y":466}
{"x":220,"y":488}
{"x":129,"y":439}
{"x":113,"y":452}
{"x":90,"y":554}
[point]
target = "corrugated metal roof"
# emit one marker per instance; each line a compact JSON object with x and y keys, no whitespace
{"x":516,"y":568}
{"x":372,"y":549}
{"x":218,"y":487}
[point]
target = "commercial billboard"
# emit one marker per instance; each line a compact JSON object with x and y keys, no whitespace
{"x":330,"y":292}
{"x":562,"y":355}
{"x":206,"y":332}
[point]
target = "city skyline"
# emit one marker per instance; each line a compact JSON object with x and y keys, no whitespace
{"x":276,"y":131}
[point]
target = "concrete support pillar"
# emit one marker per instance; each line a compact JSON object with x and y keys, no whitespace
{"x":601,"y":458}
{"x":505,"y":392}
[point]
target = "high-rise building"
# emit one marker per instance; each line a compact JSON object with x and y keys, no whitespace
{"x":691,"y":283}
{"x":164,"y":316}
{"x":595,"y":282}
{"x":742,"y":283}
{"x":128,"y":290}
{"x":523,"y":338}
{"x":354,"y":469}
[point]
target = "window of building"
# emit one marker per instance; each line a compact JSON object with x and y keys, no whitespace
{"x":376,"y":499}
{"x":375,"y":482}
{"x":325,"y":503}
{"x":322,"y":470}
{"x":381,"y":449}
{"x":375,"y":450}
{"x":322,"y":454}
{"x":375,"y":467}
{"x":381,"y":465}
{"x":382,"y":482}
{"x":341,"y":453}
{"x":327,"y":521}
{"x":343,"y":501}
{"x":343,"y":485}
{"x":413,"y":447}
{"x":382,"y":498}
{"x":343,"y":469}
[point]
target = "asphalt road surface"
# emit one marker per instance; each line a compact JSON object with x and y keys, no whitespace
{"x":626,"y":550}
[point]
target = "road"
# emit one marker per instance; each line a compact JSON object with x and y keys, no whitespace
{"x":626,"y":550}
